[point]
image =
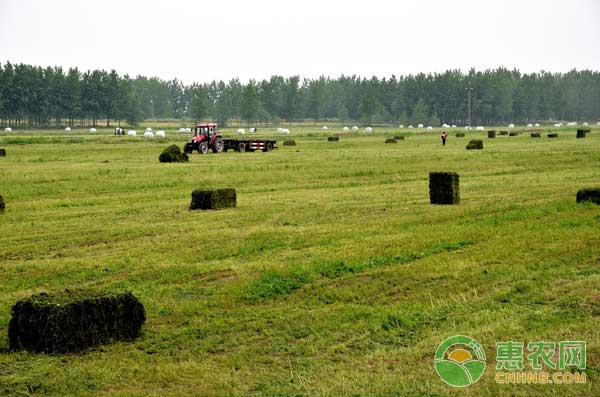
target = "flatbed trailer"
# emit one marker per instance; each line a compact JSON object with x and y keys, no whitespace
{"x":249,"y":145}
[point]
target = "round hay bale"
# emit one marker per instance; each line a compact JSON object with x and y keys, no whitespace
{"x":444,"y":188}
{"x":391,"y":140}
{"x":289,"y":142}
{"x":345,"y":129}
{"x":148,"y":129}
{"x":333,"y":138}
{"x":131,"y":133}
{"x":368,"y":130}
{"x":589,"y":194}
{"x":148,"y":135}
{"x":160,"y":134}
{"x":475,"y":144}
{"x":8,"y":129}
{"x":2,"y":152}
{"x":68,"y":129}
{"x":92,"y":130}
{"x":354,"y":128}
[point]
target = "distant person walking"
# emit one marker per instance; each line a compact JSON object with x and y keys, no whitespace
{"x":444,"y":136}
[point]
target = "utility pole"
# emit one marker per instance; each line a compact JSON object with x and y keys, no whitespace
{"x":469,"y":106}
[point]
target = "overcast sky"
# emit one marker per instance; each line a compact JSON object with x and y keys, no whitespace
{"x":222,"y":39}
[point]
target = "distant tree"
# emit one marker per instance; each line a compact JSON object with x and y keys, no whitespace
{"x":250,"y":103}
{"x":199,"y":103}
{"x":420,"y":113}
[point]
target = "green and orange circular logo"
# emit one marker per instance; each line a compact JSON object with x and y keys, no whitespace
{"x":460,"y":361}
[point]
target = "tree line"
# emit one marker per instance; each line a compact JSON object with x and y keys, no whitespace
{"x":50,"y":96}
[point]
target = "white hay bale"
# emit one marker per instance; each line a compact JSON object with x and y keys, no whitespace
{"x":148,"y":135}
{"x":280,"y":130}
{"x":572,"y":124}
{"x":160,"y":134}
{"x":368,"y":130}
{"x":355,"y":128}
{"x":8,"y":129}
{"x":420,"y":126}
{"x":345,"y":129}
{"x":401,"y":126}
{"x":286,"y":131}
{"x":511,"y":125}
{"x":241,"y":131}
{"x":253,"y":129}
{"x":557,"y":125}
{"x":131,"y":133}
{"x":479,"y":128}
{"x":188,"y":130}
{"x":410,"y":126}
{"x":453,"y":126}
{"x":445,"y":125}
{"x":529,"y":125}
{"x":148,"y":129}
{"x":181,"y":130}
{"x":537,"y":124}
{"x":429,"y":128}
{"x":585,"y":124}
{"x":325,"y":127}
{"x":93,"y":130}
{"x":68,"y":129}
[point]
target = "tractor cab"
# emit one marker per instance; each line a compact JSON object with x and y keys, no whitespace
{"x":206,"y":131}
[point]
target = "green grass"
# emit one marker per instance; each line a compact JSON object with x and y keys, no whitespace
{"x":333,"y":276}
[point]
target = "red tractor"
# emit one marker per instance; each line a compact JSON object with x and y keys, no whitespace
{"x":206,"y":136}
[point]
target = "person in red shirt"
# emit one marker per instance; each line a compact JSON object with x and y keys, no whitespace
{"x":444,"y":136}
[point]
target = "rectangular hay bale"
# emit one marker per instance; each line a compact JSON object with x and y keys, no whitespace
{"x":535,"y":135}
{"x":333,"y":138}
{"x":554,"y":135}
{"x":390,"y":140}
{"x":475,"y":144}
{"x":2,"y":205}
{"x":204,"y":199}
{"x":492,"y":134}
{"x":589,"y":194}
{"x":2,"y":152}
{"x":72,"y":321}
{"x":582,"y":133}
{"x":444,"y":188}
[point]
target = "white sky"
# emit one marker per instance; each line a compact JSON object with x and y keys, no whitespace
{"x":221,"y":39}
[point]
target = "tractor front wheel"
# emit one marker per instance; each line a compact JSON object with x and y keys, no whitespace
{"x":188,"y":148}
{"x":203,"y":148}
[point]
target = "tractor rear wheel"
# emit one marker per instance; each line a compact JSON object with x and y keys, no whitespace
{"x":241,"y":147}
{"x":218,"y":145}
{"x":203,"y":148}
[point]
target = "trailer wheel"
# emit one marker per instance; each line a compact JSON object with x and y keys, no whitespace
{"x":203,"y":148}
{"x":241,"y":147}
{"x":268,"y":147}
{"x":218,"y":145}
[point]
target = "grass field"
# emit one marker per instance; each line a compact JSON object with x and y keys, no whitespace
{"x":333,"y":276}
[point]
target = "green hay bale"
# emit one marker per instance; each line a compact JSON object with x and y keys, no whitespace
{"x":399,"y":137}
{"x":2,"y":205}
{"x":492,"y":134}
{"x":535,"y":135}
{"x":390,"y":140}
{"x":503,"y":133}
{"x":333,"y":138}
{"x":553,"y":135}
{"x":444,"y":188}
{"x":289,"y":142}
{"x":203,"y":199}
{"x":460,"y":135}
{"x":72,"y":321}
{"x":475,"y":144}
{"x":513,"y":134}
{"x":582,"y":133}
{"x":2,"y":152}
{"x":172,"y":154}
{"x":589,"y":194}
